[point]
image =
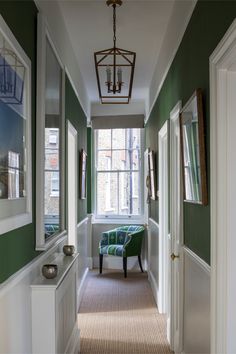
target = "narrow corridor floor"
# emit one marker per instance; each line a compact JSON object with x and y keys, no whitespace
{"x":119,"y":316}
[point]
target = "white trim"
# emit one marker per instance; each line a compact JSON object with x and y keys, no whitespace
{"x":175,"y":49}
{"x":81,"y":289}
{"x":90,"y":263}
{"x":163,"y":217}
{"x":153,"y":222}
{"x":222,"y":192}
{"x":20,"y":220}
{"x":82,"y":222}
{"x":154,"y":286}
{"x":176,"y":290}
{"x":42,"y":35}
{"x":72,"y":185}
{"x":198,"y":260}
{"x":116,"y":219}
{"x":23,"y":272}
{"x":73,"y":346}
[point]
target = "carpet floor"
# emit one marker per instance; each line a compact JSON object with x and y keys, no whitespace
{"x":119,"y":316}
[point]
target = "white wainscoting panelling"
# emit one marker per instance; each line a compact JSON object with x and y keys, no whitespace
{"x":15,"y":305}
{"x":153,"y":257}
{"x":82,"y":247}
{"x":196,"y":304}
{"x":89,"y":242}
{"x":15,"y":297}
{"x":54,"y":309}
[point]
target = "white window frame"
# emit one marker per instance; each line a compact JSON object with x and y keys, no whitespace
{"x":55,"y":193}
{"x":43,"y":36}
{"x":114,"y":217}
{"x":10,"y":223}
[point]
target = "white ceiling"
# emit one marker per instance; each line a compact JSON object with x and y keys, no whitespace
{"x":151,"y":28}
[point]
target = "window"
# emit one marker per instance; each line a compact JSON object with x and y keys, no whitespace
{"x":14,"y":186}
{"x":118,"y":172}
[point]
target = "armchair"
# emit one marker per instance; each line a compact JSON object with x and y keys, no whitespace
{"x":124,"y":241}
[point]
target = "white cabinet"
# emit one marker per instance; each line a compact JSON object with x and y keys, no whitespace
{"x":54,"y":309}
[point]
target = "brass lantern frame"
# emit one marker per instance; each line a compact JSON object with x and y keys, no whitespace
{"x":110,"y":58}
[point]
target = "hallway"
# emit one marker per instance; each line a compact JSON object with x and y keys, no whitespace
{"x":119,"y":315}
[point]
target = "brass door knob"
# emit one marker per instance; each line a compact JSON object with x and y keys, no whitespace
{"x":173,"y":256}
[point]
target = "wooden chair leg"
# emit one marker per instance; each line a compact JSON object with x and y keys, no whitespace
{"x":100,"y":262}
{"x":140,"y":263}
{"x":125,"y":266}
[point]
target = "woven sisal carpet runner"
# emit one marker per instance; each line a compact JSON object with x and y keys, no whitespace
{"x":119,"y":316}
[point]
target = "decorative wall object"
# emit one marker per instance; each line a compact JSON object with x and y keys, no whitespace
{"x":15,"y":133}
{"x":82,"y":174}
{"x":50,"y":220}
{"x":152,"y":174}
{"x":193,"y":150}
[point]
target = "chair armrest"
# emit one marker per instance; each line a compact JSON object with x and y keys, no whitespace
{"x":133,"y":243}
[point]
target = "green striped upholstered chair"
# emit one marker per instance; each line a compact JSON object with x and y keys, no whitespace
{"x":124,"y":241}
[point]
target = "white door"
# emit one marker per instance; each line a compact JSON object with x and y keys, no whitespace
{"x":175,"y":308}
{"x":72,"y":182}
{"x":146,"y":173}
{"x":163,"y":220}
{"x":146,"y":211}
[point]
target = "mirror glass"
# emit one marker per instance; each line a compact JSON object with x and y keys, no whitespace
{"x":52,"y":144}
{"x":193,"y":150}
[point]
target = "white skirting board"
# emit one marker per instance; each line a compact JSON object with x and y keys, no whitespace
{"x":154,"y":286}
{"x":153,"y":257}
{"x":80,"y":290}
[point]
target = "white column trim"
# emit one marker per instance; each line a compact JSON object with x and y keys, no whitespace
{"x":221,"y":236}
{"x":163,"y":217}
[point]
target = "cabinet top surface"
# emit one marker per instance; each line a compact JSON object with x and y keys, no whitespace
{"x":64,"y":264}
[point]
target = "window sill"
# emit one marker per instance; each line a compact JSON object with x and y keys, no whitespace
{"x":114,"y":221}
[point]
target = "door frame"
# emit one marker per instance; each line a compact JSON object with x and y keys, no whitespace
{"x":223,"y":193}
{"x":163,"y":217}
{"x":146,"y":210}
{"x":72,"y":185}
{"x":176,"y":226}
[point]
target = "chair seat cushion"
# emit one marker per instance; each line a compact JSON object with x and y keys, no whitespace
{"x":113,"y":250}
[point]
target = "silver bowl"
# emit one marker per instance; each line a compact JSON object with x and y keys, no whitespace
{"x":69,"y":250}
{"x":49,"y":271}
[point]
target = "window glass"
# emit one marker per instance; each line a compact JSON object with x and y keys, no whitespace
{"x":118,"y":168}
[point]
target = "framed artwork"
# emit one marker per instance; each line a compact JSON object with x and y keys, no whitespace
{"x":152,"y":174}
{"x":15,"y":133}
{"x":193,"y":150}
{"x":82,"y":174}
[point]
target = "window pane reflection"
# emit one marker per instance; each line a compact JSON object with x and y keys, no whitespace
{"x":52,"y":147}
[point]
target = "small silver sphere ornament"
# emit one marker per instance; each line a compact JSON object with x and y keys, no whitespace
{"x":49,"y":271}
{"x":68,"y":250}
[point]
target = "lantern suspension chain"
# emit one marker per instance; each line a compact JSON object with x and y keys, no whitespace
{"x":114,"y":24}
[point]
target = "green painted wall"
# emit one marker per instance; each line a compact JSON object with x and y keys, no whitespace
{"x":89,"y":181}
{"x":17,"y":248}
{"x":190,"y":70}
{"x":76,"y":116}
